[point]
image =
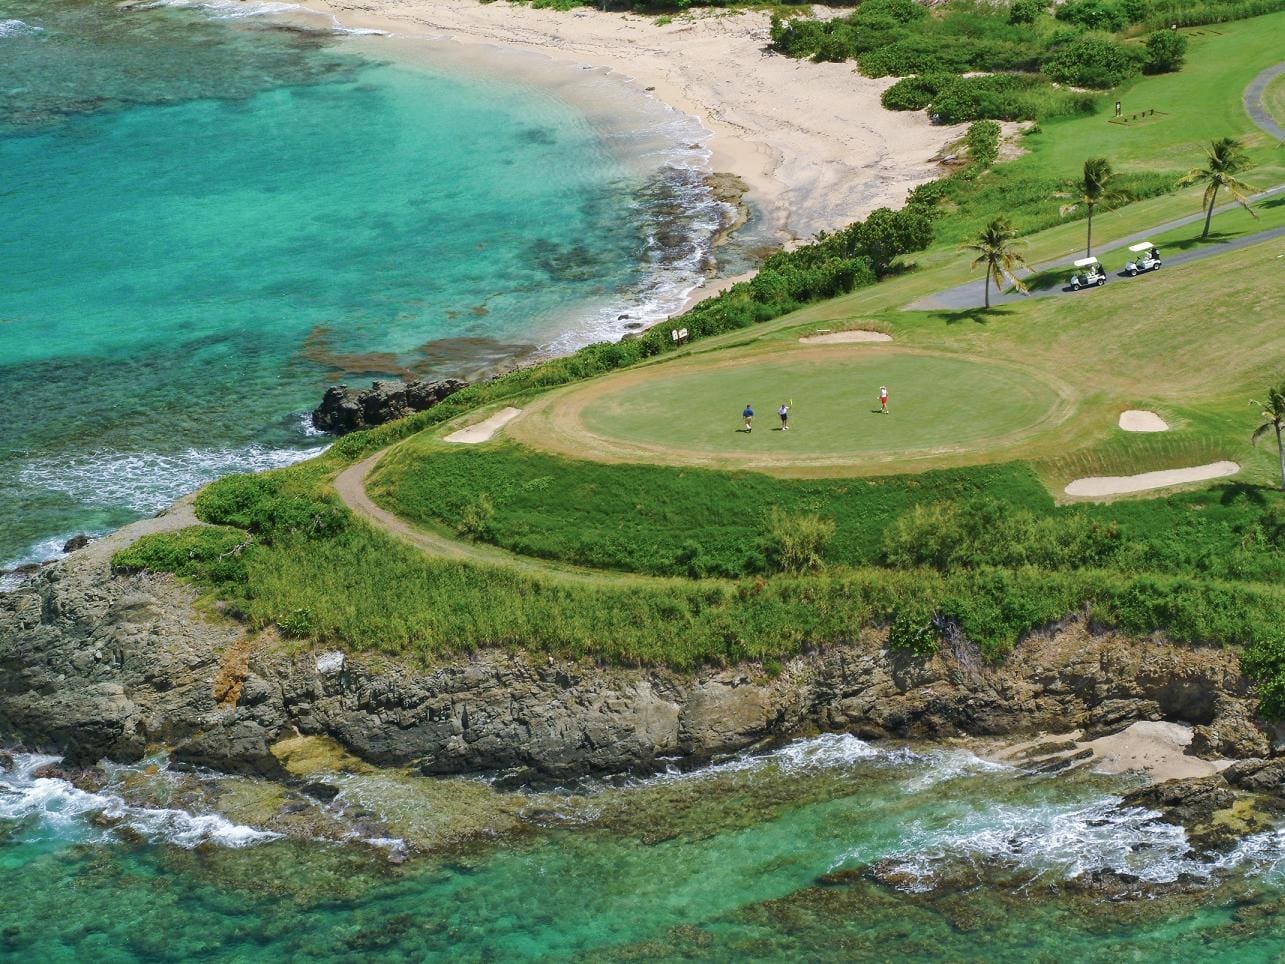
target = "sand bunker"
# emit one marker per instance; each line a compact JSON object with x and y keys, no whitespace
{"x":1136,"y":420}
{"x":1121,"y":484}
{"x":483,"y":431}
{"x":844,"y":337}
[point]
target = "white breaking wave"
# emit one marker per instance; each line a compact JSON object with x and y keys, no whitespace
{"x":44,"y":551}
{"x":16,"y":28}
{"x":1068,"y":841}
{"x":149,"y":481}
{"x":241,"y":10}
{"x":63,"y":808}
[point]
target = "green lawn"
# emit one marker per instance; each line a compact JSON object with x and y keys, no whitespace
{"x":1199,"y":103}
{"x":938,"y":403}
{"x":1274,"y":99}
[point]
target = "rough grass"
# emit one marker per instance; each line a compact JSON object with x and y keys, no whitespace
{"x":650,"y":519}
{"x":694,"y":522}
{"x":365,"y":591}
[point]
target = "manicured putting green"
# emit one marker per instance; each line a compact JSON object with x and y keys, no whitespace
{"x":936,"y":403}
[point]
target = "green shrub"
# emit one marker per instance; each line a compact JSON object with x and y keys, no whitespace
{"x":1166,"y":50}
{"x":475,"y":517}
{"x":1006,"y":97}
{"x":1025,"y":11}
{"x":1092,"y":61}
{"x":215,"y":553}
{"x":296,"y":624}
{"x":982,"y":141}
{"x":916,"y":92}
{"x":912,"y":631}
{"x":1101,"y":15}
{"x":985,"y":532}
{"x":797,"y":543}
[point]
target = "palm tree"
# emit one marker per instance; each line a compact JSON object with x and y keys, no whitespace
{"x":1273,"y":420}
{"x":995,"y":250}
{"x":1226,"y":159}
{"x":1093,"y":190}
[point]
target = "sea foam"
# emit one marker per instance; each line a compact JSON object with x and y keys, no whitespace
{"x":149,"y":481}
{"x":54,"y":805}
{"x":16,"y":28}
{"x":1067,"y":841}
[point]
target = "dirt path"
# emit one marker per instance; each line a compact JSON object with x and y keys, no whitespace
{"x":350,"y":485}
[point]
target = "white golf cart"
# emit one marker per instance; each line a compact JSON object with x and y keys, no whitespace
{"x":1090,"y":273}
{"x":1145,"y":258}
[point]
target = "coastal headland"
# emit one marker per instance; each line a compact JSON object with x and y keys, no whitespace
{"x":792,"y":638}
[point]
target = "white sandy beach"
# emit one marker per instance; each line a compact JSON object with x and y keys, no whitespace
{"x":811,"y":140}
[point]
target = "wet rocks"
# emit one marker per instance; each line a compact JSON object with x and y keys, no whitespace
{"x":76,"y":542}
{"x":1215,"y":814}
{"x":1258,"y":776}
{"x":345,"y":409}
{"x":1185,"y":802}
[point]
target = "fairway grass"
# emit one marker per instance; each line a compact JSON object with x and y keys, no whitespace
{"x":1274,"y":99}
{"x":690,"y":413}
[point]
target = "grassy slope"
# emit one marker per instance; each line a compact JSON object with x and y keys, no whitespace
{"x":1198,"y":104}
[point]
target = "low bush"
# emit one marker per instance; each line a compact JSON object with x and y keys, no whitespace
{"x":915,"y":92}
{"x":912,"y":631}
{"x":1006,"y":97}
{"x":1025,"y":11}
{"x":1166,"y":50}
{"x":1104,"y":15}
{"x":982,"y":141}
{"x":1092,"y":61}
{"x":796,"y":543}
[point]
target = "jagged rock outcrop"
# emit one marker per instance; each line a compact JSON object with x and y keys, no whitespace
{"x":100,"y":665}
{"x":345,"y":409}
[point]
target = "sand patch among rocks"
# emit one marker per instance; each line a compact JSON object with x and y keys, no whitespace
{"x":1157,"y":750}
{"x":1137,"y":420}
{"x":844,"y":337}
{"x":484,"y":430}
{"x":1122,"y":484}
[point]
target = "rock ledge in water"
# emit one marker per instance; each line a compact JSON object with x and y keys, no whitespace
{"x":345,"y":409}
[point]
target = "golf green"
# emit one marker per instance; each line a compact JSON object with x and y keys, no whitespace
{"x":936,"y":404}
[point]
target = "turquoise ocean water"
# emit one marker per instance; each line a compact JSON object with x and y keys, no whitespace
{"x":829,"y":848}
{"x":207,"y":215}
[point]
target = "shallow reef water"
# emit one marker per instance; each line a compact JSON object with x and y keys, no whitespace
{"x":210,"y":213}
{"x":825,"y":847}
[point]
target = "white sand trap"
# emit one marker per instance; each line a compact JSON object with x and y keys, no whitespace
{"x":844,"y":337}
{"x":483,"y":431}
{"x":1136,"y":420}
{"x":1122,"y":484}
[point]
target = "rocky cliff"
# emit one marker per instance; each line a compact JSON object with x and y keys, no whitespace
{"x":95,"y":664}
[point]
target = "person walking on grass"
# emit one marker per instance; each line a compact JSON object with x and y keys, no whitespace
{"x":748,"y":415}
{"x":784,"y":412}
{"x":883,"y":399}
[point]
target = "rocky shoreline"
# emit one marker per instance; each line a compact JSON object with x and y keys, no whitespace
{"x":103,"y":664}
